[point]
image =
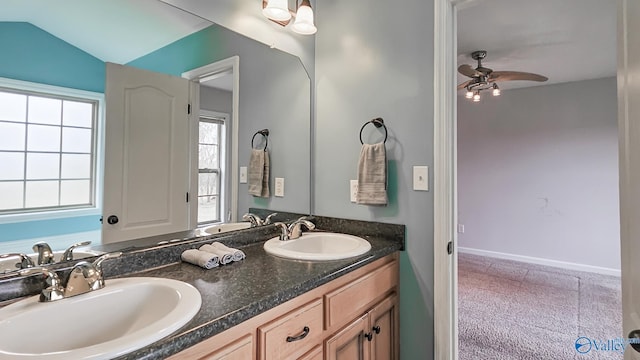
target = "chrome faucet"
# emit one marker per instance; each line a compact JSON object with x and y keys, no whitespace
{"x":45,"y":254}
{"x":84,"y":277}
{"x":25,"y":261}
{"x":256,"y":221}
{"x":294,"y":230}
{"x":68,"y":254}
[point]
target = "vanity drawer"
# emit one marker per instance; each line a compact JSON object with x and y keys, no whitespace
{"x":348,"y":301}
{"x":292,"y":334}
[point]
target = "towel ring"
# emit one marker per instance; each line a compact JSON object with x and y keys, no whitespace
{"x":265,"y":134}
{"x":378,"y":122}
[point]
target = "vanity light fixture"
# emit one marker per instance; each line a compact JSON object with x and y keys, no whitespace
{"x":278,"y":12}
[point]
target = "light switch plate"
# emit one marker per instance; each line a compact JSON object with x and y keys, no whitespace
{"x":279,"y":191}
{"x":243,"y":174}
{"x":353,"y":189}
{"x":421,"y":178}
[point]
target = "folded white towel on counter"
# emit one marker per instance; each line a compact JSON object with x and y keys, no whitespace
{"x":225,"y":257}
{"x":372,"y":175}
{"x":201,"y":258}
{"x":237,"y":254}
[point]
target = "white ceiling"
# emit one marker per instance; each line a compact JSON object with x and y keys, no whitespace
{"x":565,"y":40}
{"x":111,"y":30}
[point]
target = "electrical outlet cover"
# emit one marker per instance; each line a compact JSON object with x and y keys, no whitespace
{"x":353,"y":190}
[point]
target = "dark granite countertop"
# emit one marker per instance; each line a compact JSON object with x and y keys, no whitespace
{"x":234,"y":293}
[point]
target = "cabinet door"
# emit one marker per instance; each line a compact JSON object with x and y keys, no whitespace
{"x":315,"y":354}
{"x":350,"y":343}
{"x":146,"y":176}
{"x":238,"y":350}
{"x":384,"y":328}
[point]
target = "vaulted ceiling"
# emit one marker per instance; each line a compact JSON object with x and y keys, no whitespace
{"x":565,"y":40}
{"x":111,"y":30}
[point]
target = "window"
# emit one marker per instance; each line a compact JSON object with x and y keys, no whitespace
{"x":47,"y":150}
{"x":210,"y":167}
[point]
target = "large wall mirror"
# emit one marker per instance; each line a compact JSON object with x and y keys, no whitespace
{"x":68,"y":45}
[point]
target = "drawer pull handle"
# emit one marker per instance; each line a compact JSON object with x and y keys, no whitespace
{"x":369,"y":336}
{"x":305,"y":332}
{"x":376,"y":329}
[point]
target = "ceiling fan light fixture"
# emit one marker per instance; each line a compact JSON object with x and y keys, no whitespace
{"x":476,"y":96}
{"x":496,"y":90}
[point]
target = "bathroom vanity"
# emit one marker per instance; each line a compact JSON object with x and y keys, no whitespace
{"x":268,"y":307}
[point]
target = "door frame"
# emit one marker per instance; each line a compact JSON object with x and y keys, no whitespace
{"x":196,"y":75}
{"x":445,"y":265}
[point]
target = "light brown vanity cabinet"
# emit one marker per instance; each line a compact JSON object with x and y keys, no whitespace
{"x":332,"y":321}
{"x":373,"y":336}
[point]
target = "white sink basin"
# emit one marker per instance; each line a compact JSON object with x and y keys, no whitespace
{"x":9,"y":264}
{"x":318,"y":246}
{"x":223,"y":228}
{"x":125,"y":315}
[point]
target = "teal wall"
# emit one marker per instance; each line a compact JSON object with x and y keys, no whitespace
{"x":31,"y":54}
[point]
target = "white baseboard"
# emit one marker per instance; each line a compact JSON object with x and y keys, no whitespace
{"x":59,"y":242}
{"x":541,"y":261}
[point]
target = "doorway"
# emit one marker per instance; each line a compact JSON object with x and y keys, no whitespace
{"x":446,"y":267}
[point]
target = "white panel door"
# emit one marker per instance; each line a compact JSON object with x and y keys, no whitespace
{"x":146,"y":154}
{"x":629,"y":127}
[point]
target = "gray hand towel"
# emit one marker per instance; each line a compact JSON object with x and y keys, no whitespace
{"x":258,"y":177}
{"x":372,"y":175}
{"x":200,"y":258}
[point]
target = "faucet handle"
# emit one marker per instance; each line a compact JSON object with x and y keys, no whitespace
{"x":284,"y":231}
{"x":295,"y":229}
{"x":253,"y":219}
{"x":98,"y":263}
{"x":54,"y":291}
{"x":267,"y":221}
{"x":85,"y":276}
{"x":68,"y":254}
{"x":45,"y":254}
{"x":25,"y":261}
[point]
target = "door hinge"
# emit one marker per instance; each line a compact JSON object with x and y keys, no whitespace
{"x":187,"y":197}
{"x":450,"y":247}
{"x":189,"y":109}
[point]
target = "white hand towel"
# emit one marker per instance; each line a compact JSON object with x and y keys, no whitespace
{"x":200,"y":258}
{"x":237,"y":254}
{"x":225,"y":257}
{"x":258,"y":176}
{"x":372,"y":175}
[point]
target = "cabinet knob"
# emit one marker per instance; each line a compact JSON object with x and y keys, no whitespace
{"x":376,"y":329}
{"x":305,"y":332}
{"x":369,"y":336}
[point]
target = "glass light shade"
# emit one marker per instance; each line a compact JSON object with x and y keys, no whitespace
{"x":277,"y":10}
{"x":496,"y":92}
{"x":469,"y":94}
{"x":304,"y":21}
{"x":476,"y":97}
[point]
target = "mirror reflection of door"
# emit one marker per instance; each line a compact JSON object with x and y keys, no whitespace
{"x":146,"y":180}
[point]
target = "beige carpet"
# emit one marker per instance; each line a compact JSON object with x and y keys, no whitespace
{"x":510,"y":310}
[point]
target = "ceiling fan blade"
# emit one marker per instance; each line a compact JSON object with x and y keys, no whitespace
{"x":464,"y":84}
{"x":467,"y":70}
{"x":515,"y":75}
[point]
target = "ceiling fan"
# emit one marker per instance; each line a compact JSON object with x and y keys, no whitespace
{"x":483,"y":78}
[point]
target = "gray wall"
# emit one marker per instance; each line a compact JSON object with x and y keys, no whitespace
{"x":367,"y":67}
{"x":216,"y":100}
{"x":538,"y":173}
